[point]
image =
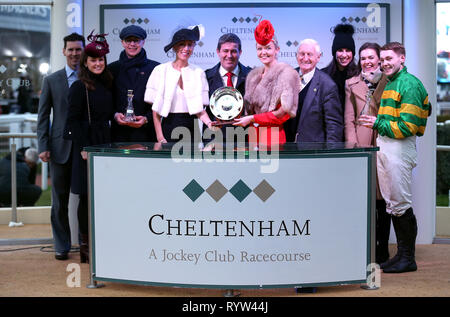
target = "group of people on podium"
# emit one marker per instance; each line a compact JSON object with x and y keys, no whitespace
{"x":371,"y":102}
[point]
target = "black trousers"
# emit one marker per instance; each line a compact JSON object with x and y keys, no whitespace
{"x":83,"y":216}
{"x":61,"y":176}
{"x":176,"y":120}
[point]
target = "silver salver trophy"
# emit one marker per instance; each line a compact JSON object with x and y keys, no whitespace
{"x":226,"y":104}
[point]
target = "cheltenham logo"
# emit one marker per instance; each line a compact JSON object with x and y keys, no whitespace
{"x":289,"y":43}
{"x":240,"y":190}
{"x":357,"y":19}
{"x":133,"y":21}
{"x":242,"y":20}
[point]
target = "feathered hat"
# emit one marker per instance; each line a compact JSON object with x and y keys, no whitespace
{"x":264,"y":32}
{"x":343,"y":38}
{"x":194,"y":33}
{"x":98,"y":47}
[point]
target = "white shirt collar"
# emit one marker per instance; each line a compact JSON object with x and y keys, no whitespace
{"x":69,"y":71}
{"x":223,"y":71}
{"x":308,"y":76}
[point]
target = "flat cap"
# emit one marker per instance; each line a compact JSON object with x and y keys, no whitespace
{"x":133,"y":30}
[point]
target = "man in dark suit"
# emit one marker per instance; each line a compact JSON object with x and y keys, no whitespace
{"x":229,"y":51}
{"x":228,"y":72}
{"x":131,"y":72}
{"x":52,"y":146}
{"x":319,"y":115}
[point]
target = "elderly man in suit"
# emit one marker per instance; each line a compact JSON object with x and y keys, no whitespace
{"x":228,"y":72}
{"x":319,"y":115}
{"x":52,"y":146}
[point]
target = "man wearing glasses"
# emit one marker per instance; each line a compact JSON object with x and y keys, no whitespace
{"x":131,"y":72}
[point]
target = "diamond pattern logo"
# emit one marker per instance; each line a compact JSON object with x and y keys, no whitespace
{"x":289,"y":43}
{"x":356,"y":19}
{"x":3,"y":69}
{"x":264,"y":190}
{"x":247,"y":19}
{"x":240,"y":190}
{"x":217,"y":190}
{"x":193,"y":190}
{"x":133,"y":21}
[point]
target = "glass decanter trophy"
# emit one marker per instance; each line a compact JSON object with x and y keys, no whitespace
{"x":367,"y":110}
{"x":226,"y":103}
{"x":129,"y":113}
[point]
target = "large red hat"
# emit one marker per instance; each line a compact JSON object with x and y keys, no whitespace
{"x":264,"y":32}
{"x":98,"y":47}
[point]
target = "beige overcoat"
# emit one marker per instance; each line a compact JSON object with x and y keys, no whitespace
{"x":355,"y":99}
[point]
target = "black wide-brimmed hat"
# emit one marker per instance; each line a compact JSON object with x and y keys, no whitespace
{"x":184,"y":35}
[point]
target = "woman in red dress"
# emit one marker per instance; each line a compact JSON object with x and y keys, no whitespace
{"x":271,"y":91}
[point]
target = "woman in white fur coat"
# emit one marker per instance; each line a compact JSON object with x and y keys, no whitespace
{"x":178,"y":90}
{"x":271,"y":91}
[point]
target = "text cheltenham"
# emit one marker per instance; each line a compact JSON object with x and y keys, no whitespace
{"x":227,"y":228}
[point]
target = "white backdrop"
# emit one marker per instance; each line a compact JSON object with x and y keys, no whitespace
{"x":427,"y":209}
{"x":292,"y":22}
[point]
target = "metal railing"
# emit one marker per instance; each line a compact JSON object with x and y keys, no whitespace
{"x":443,"y":148}
{"x":13,"y":146}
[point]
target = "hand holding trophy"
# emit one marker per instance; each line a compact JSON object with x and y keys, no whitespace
{"x":367,"y":109}
{"x":226,"y":104}
{"x":129,"y":113}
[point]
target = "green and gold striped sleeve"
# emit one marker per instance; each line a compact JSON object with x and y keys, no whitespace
{"x":401,"y":116}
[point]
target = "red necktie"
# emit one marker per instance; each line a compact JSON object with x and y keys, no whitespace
{"x":229,"y":81}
